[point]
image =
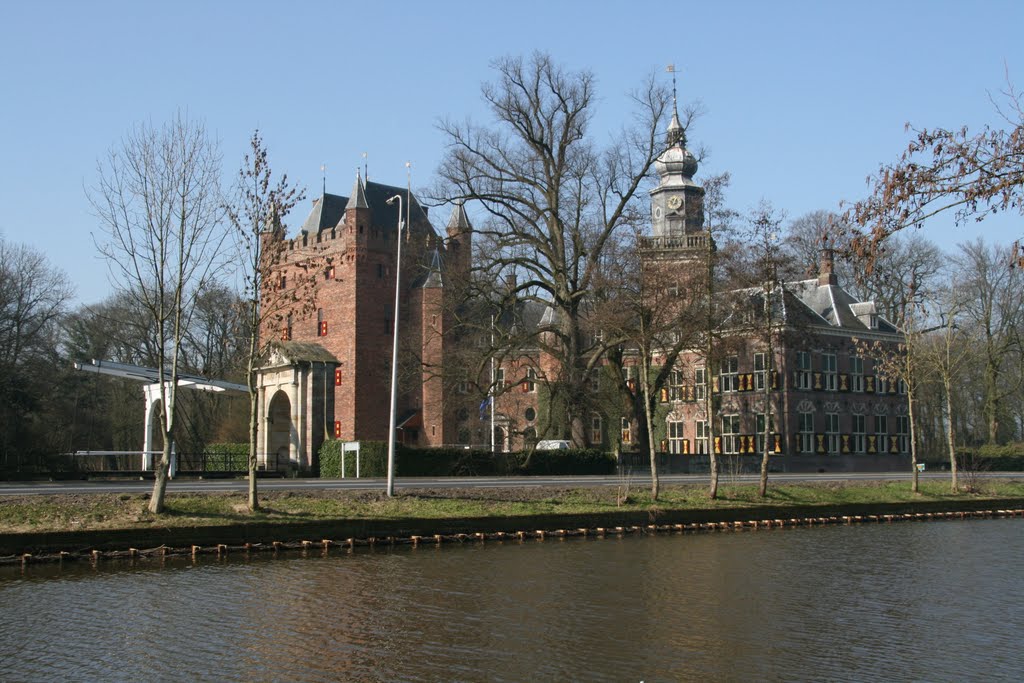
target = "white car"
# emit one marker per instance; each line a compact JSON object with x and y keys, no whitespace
{"x":554,"y":445}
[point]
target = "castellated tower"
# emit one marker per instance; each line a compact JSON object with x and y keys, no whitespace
{"x":337,"y":282}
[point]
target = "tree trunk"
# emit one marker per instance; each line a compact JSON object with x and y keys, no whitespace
{"x":954,"y":484}
{"x":645,"y":390}
{"x":913,"y":437}
{"x":156,"y":501}
{"x":254,"y":503}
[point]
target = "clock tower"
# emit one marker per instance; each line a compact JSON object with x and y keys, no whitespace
{"x":677,"y":203}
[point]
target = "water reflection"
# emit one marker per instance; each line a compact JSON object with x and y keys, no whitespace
{"x":929,"y":601}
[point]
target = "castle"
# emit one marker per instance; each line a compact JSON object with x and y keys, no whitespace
{"x":329,"y":375}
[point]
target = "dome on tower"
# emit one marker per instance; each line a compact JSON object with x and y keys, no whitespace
{"x":676,"y":160}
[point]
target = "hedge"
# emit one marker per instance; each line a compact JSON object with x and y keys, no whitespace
{"x":226,"y":457}
{"x":460,"y":462}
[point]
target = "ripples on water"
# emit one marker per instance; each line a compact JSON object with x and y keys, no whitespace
{"x":936,"y":601}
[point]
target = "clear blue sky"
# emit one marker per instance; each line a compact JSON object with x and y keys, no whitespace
{"x":803,"y":99}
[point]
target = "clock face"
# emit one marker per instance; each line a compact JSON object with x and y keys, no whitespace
{"x":675,"y":202}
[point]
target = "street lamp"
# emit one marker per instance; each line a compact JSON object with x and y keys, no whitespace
{"x":394,"y":350}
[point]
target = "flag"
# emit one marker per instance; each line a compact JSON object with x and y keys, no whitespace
{"x":484,"y":406}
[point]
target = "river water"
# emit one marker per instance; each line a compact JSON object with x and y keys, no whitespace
{"x":930,"y":601}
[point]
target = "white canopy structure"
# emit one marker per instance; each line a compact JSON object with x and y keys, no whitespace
{"x":151,"y":376}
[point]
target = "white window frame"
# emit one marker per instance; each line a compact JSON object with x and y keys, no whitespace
{"x":857,"y":374}
{"x":700,"y":384}
{"x":730,"y":434}
{"x":859,"y":432}
{"x":803,"y":370}
{"x":596,"y":429}
{"x":882,"y":433}
{"x":832,"y":433}
{"x":729,"y":376}
{"x":700,"y":437}
{"x":675,"y":430}
{"x":805,"y":432}
{"x":829,"y":371}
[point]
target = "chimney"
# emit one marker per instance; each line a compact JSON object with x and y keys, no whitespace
{"x":510,"y":282}
{"x":826,"y":272}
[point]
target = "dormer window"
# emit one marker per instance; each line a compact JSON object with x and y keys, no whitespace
{"x":873,"y":321}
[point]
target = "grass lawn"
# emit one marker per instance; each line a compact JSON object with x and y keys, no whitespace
{"x":37,"y":514}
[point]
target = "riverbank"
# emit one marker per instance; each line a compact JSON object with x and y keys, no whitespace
{"x":80,"y":524}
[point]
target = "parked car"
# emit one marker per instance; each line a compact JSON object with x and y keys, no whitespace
{"x":554,"y":445}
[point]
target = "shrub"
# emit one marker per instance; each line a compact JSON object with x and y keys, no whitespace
{"x":226,"y":457}
{"x":460,"y":462}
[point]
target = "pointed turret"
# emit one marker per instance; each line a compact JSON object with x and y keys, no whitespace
{"x":433,"y":279}
{"x":459,"y":221}
{"x":358,"y":198}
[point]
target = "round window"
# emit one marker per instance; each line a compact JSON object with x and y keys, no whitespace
{"x":531,"y":414}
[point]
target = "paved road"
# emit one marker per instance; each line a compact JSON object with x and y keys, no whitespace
{"x":636,"y":481}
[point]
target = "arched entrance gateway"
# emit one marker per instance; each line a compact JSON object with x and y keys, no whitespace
{"x":282,"y":436}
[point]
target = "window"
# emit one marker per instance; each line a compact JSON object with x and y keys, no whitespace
{"x":805,"y":432}
{"x":828,"y":367}
{"x":337,"y":377}
{"x":881,"y":385}
{"x":531,"y":380}
{"x":760,"y":371}
{"x":857,"y":375}
{"x":903,"y":433}
{"x":321,"y":324}
{"x":530,"y":414}
{"x":630,"y":372}
{"x":596,"y":337}
{"x":700,"y":437}
{"x":596,"y":429}
{"x":882,"y":433}
{"x":858,"y":433}
{"x":282,"y":281}
{"x":499,"y":378}
{"x":803,"y":370}
{"x":287,"y":335}
{"x":730,"y":432}
{"x":729,"y":376}
{"x":759,"y":436}
{"x":626,"y":431}
{"x":329,"y":273}
{"x":832,"y":432}
{"x":594,"y":381}
{"x":675,"y":437}
{"x":901,"y":387}
{"x":675,"y":385}
{"x":380,"y":270}
{"x":700,"y":383}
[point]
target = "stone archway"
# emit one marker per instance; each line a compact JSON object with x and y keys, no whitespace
{"x":281,"y":433}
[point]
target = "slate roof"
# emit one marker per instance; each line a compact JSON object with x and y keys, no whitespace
{"x":329,"y":209}
{"x":837,"y":307}
{"x":301,"y":352}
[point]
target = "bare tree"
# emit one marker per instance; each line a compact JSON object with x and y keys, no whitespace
{"x":994,"y":310}
{"x":255,"y":214}
{"x":765,"y":239}
{"x":719,"y":221}
{"x":553,"y":199}
{"x":649,"y":312}
{"x":158,"y":203}
{"x":972,"y":175}
{"x":945,"y":352}
{"x":33,"y":296}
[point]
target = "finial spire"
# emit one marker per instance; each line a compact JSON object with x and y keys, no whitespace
{"x":675,"y":134}
{"x":323,"y":172}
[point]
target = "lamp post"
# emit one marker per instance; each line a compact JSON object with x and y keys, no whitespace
{"x":394,"y":350}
